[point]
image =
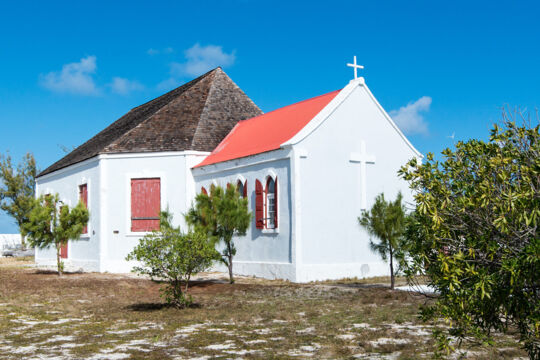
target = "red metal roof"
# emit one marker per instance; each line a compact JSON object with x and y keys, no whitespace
{"x":268,"y":131}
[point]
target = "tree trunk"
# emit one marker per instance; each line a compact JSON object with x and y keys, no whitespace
{"x":391,"y":268}
{"x":231,"y":278}
{"x":23,"y":243}
{"x":58,"y":261}
{"x":230,"y":256}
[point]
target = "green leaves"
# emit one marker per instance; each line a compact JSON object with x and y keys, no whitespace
{"x":475,"y":232}
{"x":386,"y":222}
{"x":51,"y":222}
{"x":221,"y":215}
{"x":17,"y":188}
{"x":174,"y":256}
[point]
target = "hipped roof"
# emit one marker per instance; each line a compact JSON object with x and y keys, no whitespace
{"x":194,"y":116}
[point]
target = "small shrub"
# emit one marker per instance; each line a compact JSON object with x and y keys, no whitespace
{"x":170,"y":255}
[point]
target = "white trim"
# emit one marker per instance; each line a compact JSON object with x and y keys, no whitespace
{"x":122,"y":156}
{"x":334,"y":104}
{"x":103,"y":234}
{"x":296,"y":219}
{"x":153,"y":154}
{"x":314,"y":123}
{"x":240,"y":178}
{"x":271,"y":174}
{"x":68,"y":168}
{"x":261,"y":158}
{"x":162,"y":193}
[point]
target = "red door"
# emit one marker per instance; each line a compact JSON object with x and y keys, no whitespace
{"x":145,"y":204}
{"x":64,"y":251}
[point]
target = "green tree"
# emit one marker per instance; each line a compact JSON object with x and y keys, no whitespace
{"x":17,"y":190}
{"x":476,"y":236}
{"x":171,"y":255}
{"x":386,"y":222}
{"x":222,"y":215}
{"x":52,"y":222}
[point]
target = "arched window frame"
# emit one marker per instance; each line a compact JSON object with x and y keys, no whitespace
{"x":271,"y":204}
{"x":241,"y":186}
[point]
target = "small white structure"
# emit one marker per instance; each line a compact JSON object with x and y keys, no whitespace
{"x":9,"y":241}
{"x":308,"y":170}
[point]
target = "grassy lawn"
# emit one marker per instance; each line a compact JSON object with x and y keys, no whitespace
{"x":105,"y":316}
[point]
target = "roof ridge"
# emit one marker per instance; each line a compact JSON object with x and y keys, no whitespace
{"x":186,"y":87}
{"x":202,"y":111}
{"x":220,"y":75}
{"x":144,"y":121}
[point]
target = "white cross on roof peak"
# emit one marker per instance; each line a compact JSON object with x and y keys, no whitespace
{"x":355,"y":66}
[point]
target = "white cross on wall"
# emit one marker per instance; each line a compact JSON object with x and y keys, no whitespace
{"x":356,"y":67}
{"x":363,"y":158}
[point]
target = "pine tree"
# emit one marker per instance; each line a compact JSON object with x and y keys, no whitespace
{"x":53,"y":223}
{"x":222,"y":215}
{"x":17,"y":192}
{"x":386,"y":221}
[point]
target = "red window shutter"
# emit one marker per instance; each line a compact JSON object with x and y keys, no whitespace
{"x":64,"y":248}
{"x":83,"y":197}
{"x":145,"y":204}
{"x":245,"y":190}
{"x":259,"y":205}
{"x":203,"y":190}
{"x":276,"y":203}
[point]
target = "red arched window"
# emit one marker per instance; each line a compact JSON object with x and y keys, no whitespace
{"x":203,"y":191}
{"x":271,"y":203}
{"x":242,"y":188}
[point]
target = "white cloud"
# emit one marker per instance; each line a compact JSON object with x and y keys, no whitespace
{"x":74,"y":78}
{"x":200,"y":59}
{"x":410,"y":119}
{"x":124,"y":86}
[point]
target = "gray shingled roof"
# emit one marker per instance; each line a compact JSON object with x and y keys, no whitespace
{"x":194,"y":116}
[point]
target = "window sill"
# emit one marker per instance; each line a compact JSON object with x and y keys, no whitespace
{"x":270,"y":231}
{"x":84,"y":237}
{"x":138,"y":234}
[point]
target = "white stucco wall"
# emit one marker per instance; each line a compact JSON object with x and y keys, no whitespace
{"x":83,"y":253}
{"x":177,"y":187}
{"x":109,"y":237}
{"x":332,"y":244}
{"x":264,"y":253}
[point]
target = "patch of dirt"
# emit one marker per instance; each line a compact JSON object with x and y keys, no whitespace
{"x":121,"y":316}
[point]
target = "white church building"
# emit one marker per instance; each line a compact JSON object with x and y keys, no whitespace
{"x":307,"y":169}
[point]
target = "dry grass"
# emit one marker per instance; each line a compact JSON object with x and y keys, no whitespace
{"x":104,"y":316}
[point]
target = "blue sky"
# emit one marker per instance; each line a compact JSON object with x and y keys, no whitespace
{"x":68,"y":69}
